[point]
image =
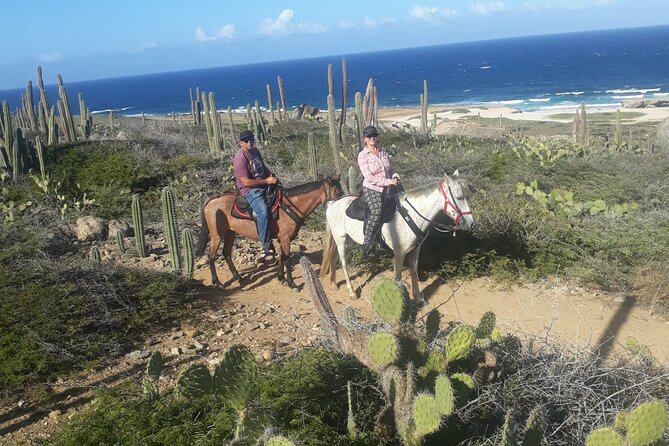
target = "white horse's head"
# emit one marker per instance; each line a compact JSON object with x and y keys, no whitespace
{"x":455,"y":203}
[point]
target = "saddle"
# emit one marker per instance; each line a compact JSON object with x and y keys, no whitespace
{"x":358,"y":209}
{"x":242,"y":210}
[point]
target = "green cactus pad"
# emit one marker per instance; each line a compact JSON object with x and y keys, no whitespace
{"x":235,"y":376}
{"x":463,"y":385}
{"x":195,"y":381}
{"x":155,"y":366}
{"x":486,"y":326}
{"x":496,"y":335}
{"x":459,"y":342}
{"x":252,"y":424}
{"x":444,"y":395}
{"x":604,"y":436}
{"x":390,"y":300}
{"x":534,"y":428}
{"x":383,"y":349}
{"x":279,"y":441}
{"x":432,"y":325}
{"x":425,"y":415}
{"x":349,"y":317}
{"x":620,"y":422}
{"x":646,"y":423}
{"x":508,"y":432}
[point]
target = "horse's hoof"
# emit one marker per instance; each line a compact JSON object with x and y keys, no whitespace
{"x":218,"y":285}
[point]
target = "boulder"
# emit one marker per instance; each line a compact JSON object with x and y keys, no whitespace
{"x":91,"y":228}
{"x":645,"y":103}
{"x":305,"y":111}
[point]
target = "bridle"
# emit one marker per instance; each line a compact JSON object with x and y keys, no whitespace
{"x":438,"y":226}
{"x":448,"y":202}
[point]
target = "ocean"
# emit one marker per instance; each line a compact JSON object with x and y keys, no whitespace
{"x":598,"y":68}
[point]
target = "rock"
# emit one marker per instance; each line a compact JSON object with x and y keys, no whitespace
{"x":54,"y":414}
{"x":645,"y":103}
{"x":122,"y":136}
{"x":267,"y":355}
{"x":139,"y":354}
{"x":91,"y":228}
{"x":662,"y":136}
{"x":115,"y":226}
{"x":305,"y":111}
{"x":176,"y":351}
{"x":178,"y":334}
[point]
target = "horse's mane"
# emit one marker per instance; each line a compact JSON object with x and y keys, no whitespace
{"x":420,"y":191}
{"x":302,"y":189}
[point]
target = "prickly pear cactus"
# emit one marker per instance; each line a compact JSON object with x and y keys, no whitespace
{"x":425,"y":415}
{"x":460,"y":342}
{"x":486,"y":325}
{"x":534,"y":428}
{"x":508,"y":432}
{"x":252,"y":424}
{"x":279,"y":441}
{"x":463,"y":385}
{"x":349,"y":318}
{"x":390,"y":300}
{"x":496,"y":335}
{"x":604,"y":436}
{"x":647,"y":423}
{"x":444,"y":396}
{"x":235,"y":376}
{"x":432,"y":326}
{"x":383,"y":349}
{"x":155,"y":366}
{"x":195,"y":381}
{"x":620,"y":421}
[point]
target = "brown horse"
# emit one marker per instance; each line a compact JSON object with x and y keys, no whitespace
{"x":296,"y":204}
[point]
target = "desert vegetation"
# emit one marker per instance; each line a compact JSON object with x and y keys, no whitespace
{"x":590,"y":205}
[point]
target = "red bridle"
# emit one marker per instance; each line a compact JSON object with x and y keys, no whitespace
{"x":459,"y":213}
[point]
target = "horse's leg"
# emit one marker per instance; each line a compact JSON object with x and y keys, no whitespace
{"x":285,"y":263}
{"x":413,"y":269}
{"x":213,"y":250}
{"x":399,"y":262}
{"x":228,"y":242}
{"x":341,"y":250}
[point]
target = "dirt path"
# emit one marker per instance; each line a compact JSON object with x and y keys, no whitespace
{"x":275,"y":321}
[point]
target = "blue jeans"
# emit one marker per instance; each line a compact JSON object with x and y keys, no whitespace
{"x":256,"y":198}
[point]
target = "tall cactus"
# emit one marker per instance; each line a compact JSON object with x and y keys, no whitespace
{"x":334,"y":141}
{"x":29,"y":106}
{"x":138,"y":220}
{"x":189,"y":253}
{"x":344,"y":96}
{"x":423,"y":109}
{"x":618,"y":140}
{"x":217,"y":131}
{"x":313,"y":160}
{"x":171,"y":227}
{"x":94,"y":254}
{"x":330,"y":81}
{"x":120,"y":242}
{"x":283,"y":110}
{"x":272,"y":121}
{"x":352,"y":180}
{"x":359,"y":119}
{"x":7,"y":135}
{"x":65,"y":113}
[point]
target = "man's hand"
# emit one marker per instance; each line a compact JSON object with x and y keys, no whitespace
{"x":272,"y":180}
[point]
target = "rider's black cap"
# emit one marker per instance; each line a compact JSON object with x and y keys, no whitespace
{"x":370,"y":131}
{"x":245,"y":134}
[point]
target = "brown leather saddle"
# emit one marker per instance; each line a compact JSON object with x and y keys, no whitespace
{"x":242,"y":210}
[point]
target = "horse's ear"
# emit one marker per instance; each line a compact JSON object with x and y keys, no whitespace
{"x":456,"y":174}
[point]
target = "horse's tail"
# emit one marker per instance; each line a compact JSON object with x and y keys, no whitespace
{"x":329,"y":263}
{"x":203,"y":237}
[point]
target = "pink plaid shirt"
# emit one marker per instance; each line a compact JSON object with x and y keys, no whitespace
{"x":376,"y":170}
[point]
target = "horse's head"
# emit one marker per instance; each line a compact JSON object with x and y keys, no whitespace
{"x":455,"y":202}
{"x":332,"y":187}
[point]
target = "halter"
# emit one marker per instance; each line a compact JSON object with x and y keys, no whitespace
{"x":448,"y":202}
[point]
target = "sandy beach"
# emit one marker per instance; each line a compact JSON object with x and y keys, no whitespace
{"x":453,"y":113}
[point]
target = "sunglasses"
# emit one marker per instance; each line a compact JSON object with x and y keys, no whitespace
{"x":248,"y":140}
{"x":372,"y":136}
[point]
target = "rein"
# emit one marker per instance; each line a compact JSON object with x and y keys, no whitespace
{"x":438,"y":226}
{"x":292,"y":214}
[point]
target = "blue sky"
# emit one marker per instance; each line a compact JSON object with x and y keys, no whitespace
{"x":92,"y":39}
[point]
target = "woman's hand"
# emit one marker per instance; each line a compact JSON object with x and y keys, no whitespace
{"x":393,"y":182}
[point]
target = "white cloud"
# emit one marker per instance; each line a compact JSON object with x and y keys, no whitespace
{"x":284,"y":25}
{"x":487,"y":7}
{"x":222,"y":33}
{"x":431,"y":13}
{"x":346,"y":24}
{"x":52,"y":56}
{"x":375,"y":23}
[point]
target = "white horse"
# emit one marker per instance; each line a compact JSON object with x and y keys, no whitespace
{"x":422,"y":204}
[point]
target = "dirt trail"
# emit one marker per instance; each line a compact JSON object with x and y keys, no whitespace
{"x":275,"y":321}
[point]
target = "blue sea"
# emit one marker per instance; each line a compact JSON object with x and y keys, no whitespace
{"x":599,"y":68}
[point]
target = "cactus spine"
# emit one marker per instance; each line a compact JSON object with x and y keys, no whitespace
{"x":189,"y":253}
{"x":313,"y":160}
{"x":171,"y":227}
{"x":138,"y":220}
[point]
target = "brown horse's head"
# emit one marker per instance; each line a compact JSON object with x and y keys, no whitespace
{"x":332,"y":187}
